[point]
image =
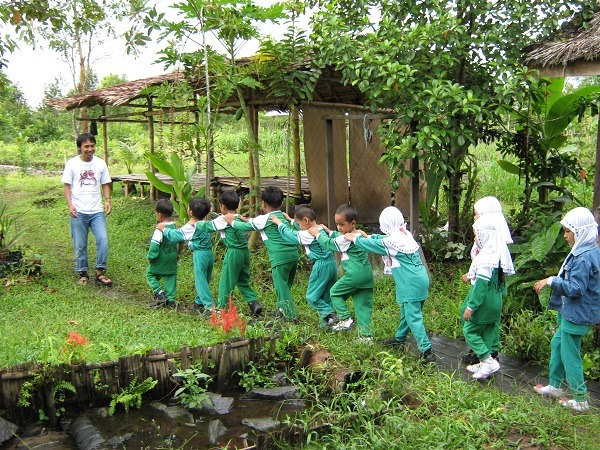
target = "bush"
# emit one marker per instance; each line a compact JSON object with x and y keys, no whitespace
{"x":527,"y":335}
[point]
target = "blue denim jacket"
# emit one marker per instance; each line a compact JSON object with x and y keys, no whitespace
{"x":576,"y":293}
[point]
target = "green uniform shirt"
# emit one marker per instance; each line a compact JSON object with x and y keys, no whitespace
{"x":485,"y":296}
{"x":162,"y":253}
{"x":280,"y":252}
{"x":410,"y":275}
{"x":313,"y":249}
{"x":355,"y":260}
{"x":231,"y":237}
{"x":195,"y":238}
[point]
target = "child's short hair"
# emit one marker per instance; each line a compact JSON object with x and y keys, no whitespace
{"x":348,"y":212}
{"x":200,"y":207}
{"x":303,"y":211}
{"x":272,"y":196}
{"x":164,"y":207}
{"x":230,"y":199}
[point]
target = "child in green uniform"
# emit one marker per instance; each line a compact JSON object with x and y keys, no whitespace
{"x":482,"y":309}
{"x":236,"y":264}
{"x":199,"y":242}
{"x":324,"y":271}
{"x":357,"y":281}
{"x":576,"y":298}
{"x":162,"y":259}
{"x":283,"y":256}
{"x":402,"y":259}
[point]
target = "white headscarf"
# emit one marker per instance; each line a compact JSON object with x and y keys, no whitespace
{"x":492,"y":248}
{"x":391,"y":222}
{"x":584,"y":227}
{"x":490,"y":206}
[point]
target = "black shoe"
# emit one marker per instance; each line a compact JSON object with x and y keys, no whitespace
{"x":160,"y":300}
{"x":392,"y":342}
{"x":470,"y":358}
{"x":255,"y":308}
{"x":495,"y":356}
{"x":428,"y":357}
{"x":171,"y":305}
{"x":200,"y":309}
{"x":331,"y":320}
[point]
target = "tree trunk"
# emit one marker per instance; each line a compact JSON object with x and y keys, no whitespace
{"x":457,"y":153}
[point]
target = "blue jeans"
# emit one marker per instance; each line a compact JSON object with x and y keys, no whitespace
{"x":80,"y":227}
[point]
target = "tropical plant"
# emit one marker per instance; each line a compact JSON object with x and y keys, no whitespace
{"x":9,"y":232}
{"x":131,"y":395}
{"x":255,"y":375}
{"x":193,"y":385}
{"x":182,"y":189}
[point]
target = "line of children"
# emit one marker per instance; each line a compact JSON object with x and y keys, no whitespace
{"x":402,"y":259}
{"x":482,"y":309}
{"x":282,"y":255}
{"x":203,"y":257}
{"x":324,"y":271}
{"x":576,"y":297}
{"x":357,"y":281}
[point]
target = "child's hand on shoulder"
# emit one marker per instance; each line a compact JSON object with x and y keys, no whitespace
{"x":229,"y":218}
{"x":363,"y":233}
{"x":327,"y":230}
{"x":314,"y":231}
{"x":276,"y":220}
{"x":350,"y":236}
{"x":161,"y":226}
{"x":289,"y":219}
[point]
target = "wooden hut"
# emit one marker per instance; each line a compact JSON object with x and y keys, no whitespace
{"x":352,"y":152}
{"x":573,"y":50}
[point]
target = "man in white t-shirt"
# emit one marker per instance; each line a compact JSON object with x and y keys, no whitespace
{"x":85,"y":180}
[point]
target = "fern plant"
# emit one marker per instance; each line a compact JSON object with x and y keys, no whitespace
{"x":132,"y":395}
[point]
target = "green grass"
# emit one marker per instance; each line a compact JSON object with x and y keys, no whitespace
{"x":425,"y":408}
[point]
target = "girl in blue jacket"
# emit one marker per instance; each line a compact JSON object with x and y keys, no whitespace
{"x":576,"y":297}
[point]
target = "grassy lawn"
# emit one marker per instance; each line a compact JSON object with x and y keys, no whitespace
{"x":444,"y":412}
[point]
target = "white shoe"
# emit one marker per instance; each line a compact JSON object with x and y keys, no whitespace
{"x":473,"y":367}
{"x":575,"y":405}
{"x":365,"y":339}
{"x":486,"y":368}
{"x":548,"y":391}
{"x":344,"y":325}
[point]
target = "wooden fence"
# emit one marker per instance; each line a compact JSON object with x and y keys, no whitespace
{"x":96,"y":383}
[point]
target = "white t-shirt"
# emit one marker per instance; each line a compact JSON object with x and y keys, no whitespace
{"x":86,"y":179}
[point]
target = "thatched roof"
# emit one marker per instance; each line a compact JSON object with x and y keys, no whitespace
{"x":328,"y":89}
{"x":578,"y":41}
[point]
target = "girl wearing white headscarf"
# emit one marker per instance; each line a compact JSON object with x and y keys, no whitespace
{"x":482,"y":309}
{"x":401,"y":256}
{"x":576,"y":297}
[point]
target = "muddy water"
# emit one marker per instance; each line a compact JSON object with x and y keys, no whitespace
{"x":150,"y":428}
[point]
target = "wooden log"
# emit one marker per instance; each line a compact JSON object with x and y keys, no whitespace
{"x":130,"y":368}
{"x":158,"y":369}
{"x":184,"y":357}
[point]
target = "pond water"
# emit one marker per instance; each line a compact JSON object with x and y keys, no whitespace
{"x":165,"y":425}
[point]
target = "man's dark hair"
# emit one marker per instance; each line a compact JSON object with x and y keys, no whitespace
{"x":348,"y":212}
{"x":200,"y":207}
{"x":303,"y":211}
{"x":272,"y":196}
{"x":230,"y":199}
{"x":85,"y":137}
{"x":165,"y":207}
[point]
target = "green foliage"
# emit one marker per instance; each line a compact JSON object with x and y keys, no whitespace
{"x":132,"y":395}
{"x":527,"y":334}
{"x":9,"y":231}
{"x":181,"y":188}
{"x":194,"y":383}
{"x":259,"y":375}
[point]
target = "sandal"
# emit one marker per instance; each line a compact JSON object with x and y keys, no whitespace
{"x":103,"y":280}
{"x":83,"y":279}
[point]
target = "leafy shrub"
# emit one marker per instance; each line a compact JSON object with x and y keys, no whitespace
{"x":527,"y":335}
{"x":257,"y":376}
{"x":193,"y":387}
{"x":132,"y":395}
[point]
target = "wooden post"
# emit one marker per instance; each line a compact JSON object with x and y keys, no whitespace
{"x":151,"y":139}
{"x":329,"y":167}
{"x":296,"y":140}
{"x":104,"y":135}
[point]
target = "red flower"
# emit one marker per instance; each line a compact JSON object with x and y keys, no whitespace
{"x":75,"y":339}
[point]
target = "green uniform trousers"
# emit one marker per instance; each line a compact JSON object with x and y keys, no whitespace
{"x":353,"y":286}
{"x":283,"y":278}
{"x":235,"y":272}
{"x":481,"y":337}
{"x":203,"y":267}
{"x":322,"y":277}
{"x":411,"y":320}
{"x":565,"y":358}
{"x":167,"y":283}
